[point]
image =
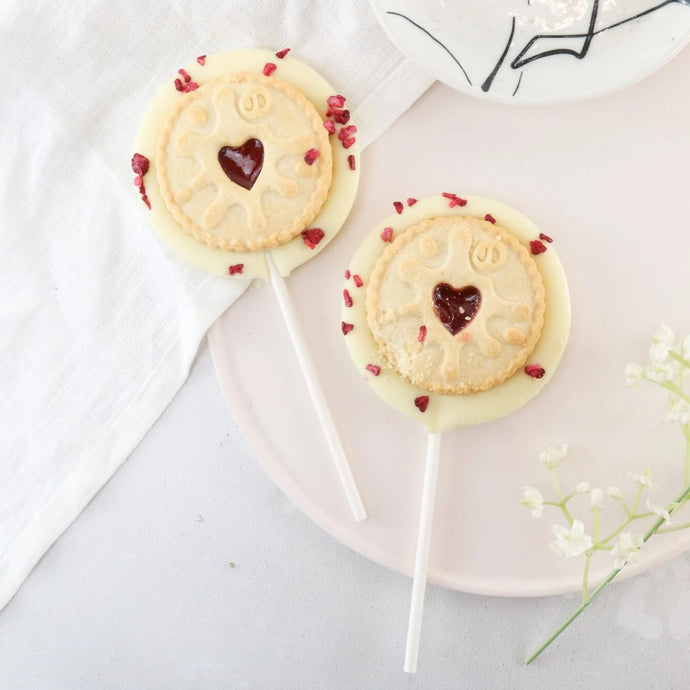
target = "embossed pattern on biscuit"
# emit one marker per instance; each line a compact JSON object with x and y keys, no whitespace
{"x":231,"y":166}
{"x":475,"y":290}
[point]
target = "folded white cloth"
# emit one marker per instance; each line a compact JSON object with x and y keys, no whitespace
{"x":99,"y":322}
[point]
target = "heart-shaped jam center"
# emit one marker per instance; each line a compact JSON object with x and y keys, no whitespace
{"x":456,"y":307}
{"x":242,"y":164}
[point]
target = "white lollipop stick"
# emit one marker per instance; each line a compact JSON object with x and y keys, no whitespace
{"x":317,"y":396}
{"x":421,"y":565}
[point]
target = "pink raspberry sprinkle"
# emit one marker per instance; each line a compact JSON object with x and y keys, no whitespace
{"x":346,"y":327}
{"x":347,"y":132}
{"x":357,"y":280}
{"x":269,"y":69}
{"x":347,"y":298}
{"x":375,"y":369}
{"x":411,"y":201}
{"x":201,"y":60}
{"x":347,"y":274}
{"x":351,"y":161}
{"x":490,"y":218}
{"x":537,"y":247}
{"x":398,"y":206}
{"x":387,"y":235}
{"x":535,"y":371}
{"x":310,"y":156}
{"x":342,"y":117}
{"x":179,"y":86}
{"x":349,"y":142}
{"x":282,"y":53}
{"x":455,"y":200}
{"x":544,"y":237}
{"x":312,"y":236}
{"x":184,"y":76}
{"x":235,"y":269}
{"x":421,"y":403}
{"x":190,"y":86}
{"x":422,"y":334}
{"x":336,"y":101}
{"x":140,"y":164}
{"x":329,"y":126}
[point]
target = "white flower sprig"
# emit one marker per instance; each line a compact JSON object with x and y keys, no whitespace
{"x":669,"y":366}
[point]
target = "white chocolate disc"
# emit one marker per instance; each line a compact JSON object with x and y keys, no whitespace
{"x":442,"y":411}
{"x":291,"y":248}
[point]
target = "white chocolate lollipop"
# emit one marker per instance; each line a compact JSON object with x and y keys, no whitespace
{"x":248,"y":166}
{"x":207,"y":119}
{"x":456,"y":310}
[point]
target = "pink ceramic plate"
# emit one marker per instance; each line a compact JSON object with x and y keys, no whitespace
{"x":613,"y":210}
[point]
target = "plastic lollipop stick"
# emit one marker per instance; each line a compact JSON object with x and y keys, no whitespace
{"x":421,"y":565}
{"x":317,"y":396}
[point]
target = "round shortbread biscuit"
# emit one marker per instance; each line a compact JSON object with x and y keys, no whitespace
{"x":231,"y":162}
{"x":455,"y":304}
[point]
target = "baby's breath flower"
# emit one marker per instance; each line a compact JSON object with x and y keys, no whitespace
{"x":660,"y":372}
{"x":532,"y":498}
{"x":550,"y":457}
{"x":661,"y":511}
{"x":644,"y":479}
{"x":658,"y":353}
{"x":679,"y":412}
{"x":664,"y":337}
{"x":633,"y":375}
{"x":627,"y":549}
{"x":570,"y":542}
{"x":669,"y":367}
{"x":595,"y":498}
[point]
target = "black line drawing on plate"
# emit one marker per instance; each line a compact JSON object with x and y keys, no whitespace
{"x":433,"y":38}
{"x":542,"y":46}
{"x":489,"y":80}
{"x":523,"y":58}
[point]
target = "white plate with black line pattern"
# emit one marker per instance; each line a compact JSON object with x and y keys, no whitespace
{"x":537,"y":51}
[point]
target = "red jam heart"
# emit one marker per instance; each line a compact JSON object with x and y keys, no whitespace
{"x":242,"y":164}
{"x":454,"y":307}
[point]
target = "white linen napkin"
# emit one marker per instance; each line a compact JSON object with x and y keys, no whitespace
{"x":99,"y":322}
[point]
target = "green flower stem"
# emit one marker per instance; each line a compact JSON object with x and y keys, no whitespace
{"x":676,"y":390}
{"x":675,"y":528}
{"x":583,"y":606}
{"x":636,"y":502}
{"x":623,"y":504}
{"x":562,"y":500}
{"x":557,"y":486}
{"x":585,"y":579}
{"x":618,"y":530}
{"x":587,"y":601}
{"x":677,"y":356}
{"x":686,"y":432}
